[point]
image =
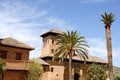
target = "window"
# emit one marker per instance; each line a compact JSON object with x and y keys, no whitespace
{"x":18,"y":56}
{"x":52,"y":41}
{"x":45,"y":42}
{"x":3,"y":54}
{"x":52,"y":50}
{"x":51,"y":69}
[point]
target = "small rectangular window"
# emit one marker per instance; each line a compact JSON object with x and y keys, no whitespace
{"x":51,"y":69}
{"x":3,"y":54}
{"x":52,"y":41}
{"x":45,"y":42}
{"x":18,"y":56}
{"x":52,"y":50}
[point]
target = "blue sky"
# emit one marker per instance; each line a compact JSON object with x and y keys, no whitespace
{"x":26,"y":20}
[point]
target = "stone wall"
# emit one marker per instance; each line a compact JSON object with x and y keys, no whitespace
{"x":11,"y":52}
{"x":14,"y":75}
{"x":58,"y":71}
{"x":15,"y":69}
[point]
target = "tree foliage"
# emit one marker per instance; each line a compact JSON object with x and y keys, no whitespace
{"x":107,"y":18}
{"x":117,"y":78}
{"x":97,"y":72}
{"x":35,"y":71}
{"x":2,"y":67}
{"x":70,"y":44}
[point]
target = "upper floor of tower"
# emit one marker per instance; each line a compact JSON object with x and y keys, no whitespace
{"x":48,"y":41}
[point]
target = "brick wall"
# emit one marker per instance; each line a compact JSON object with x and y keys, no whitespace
{"x":15,"y":69}
{"x":11,"y":52}
{"x":61,"y":71}
{"x":14,"y":75}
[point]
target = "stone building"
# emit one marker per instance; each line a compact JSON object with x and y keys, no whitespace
{"x":16,"y":56}
{"x":56,"y":71}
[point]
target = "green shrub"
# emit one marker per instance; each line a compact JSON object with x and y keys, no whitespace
{"x":97,"y":72}
{"x":35,"y":71}
{"x":117,"y":78}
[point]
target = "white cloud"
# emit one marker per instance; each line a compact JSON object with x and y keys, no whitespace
{"x":16,"y":12}
{"x":98,"y":48}
{"x":116,"y":58}
{"x":26,"y":22}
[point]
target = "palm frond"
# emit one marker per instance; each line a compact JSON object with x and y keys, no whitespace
{"x":107,"y":18}
{"x":70,"y":43}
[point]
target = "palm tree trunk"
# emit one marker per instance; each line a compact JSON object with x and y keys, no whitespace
{"x":70,"y":66}
{"x":109,"y":51}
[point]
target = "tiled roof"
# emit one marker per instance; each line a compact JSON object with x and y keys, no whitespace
{"x":56,"y":31}
{"x":90,"y":59}
{"x":40,"y":61}
{"x":14,"y":43}
{"x":77,"y":58}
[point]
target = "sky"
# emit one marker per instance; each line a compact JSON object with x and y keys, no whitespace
{"x":26,"y":20}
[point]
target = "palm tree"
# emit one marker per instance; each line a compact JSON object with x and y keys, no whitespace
{"x":108,"y":19}
{"x":2,"y":68}
{"x":70,"y":44}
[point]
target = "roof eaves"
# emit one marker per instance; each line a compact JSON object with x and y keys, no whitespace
{"x":10,"y":42}
{"x":78,"y":59}
{"x":55,"y":31}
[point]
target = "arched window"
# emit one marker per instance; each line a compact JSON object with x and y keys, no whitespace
{"x":76,"y":76}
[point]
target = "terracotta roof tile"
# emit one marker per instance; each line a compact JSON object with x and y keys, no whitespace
{"x":90,"y":59}
{"x":56,"y":31}
{"x":40,"y":61}
{"x":14,"y":43}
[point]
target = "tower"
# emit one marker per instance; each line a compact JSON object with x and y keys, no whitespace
{"x":48,"y":40}
{"x":56,"y":71}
